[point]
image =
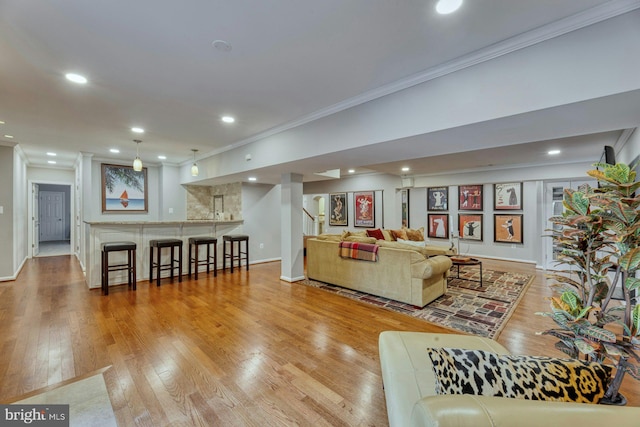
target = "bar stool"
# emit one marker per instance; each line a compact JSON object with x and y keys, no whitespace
{"x":232,"y":239}
{"x":171,"y":265}
{"x":130,"y":265}
{"x":210,"y":260}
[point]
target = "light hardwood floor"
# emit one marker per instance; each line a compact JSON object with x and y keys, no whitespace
{"x":240,"y":349}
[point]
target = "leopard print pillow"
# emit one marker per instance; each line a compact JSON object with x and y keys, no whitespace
{"x":479,"y":372}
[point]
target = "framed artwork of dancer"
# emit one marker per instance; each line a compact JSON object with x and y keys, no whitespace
{"x":438,"y":198}
{"x":338,"y":205}
{"x":470,"y":226}
{"x":507,"y":228}
{"x":438,"y":226}
{"x":470,"y":197}
{"x":364,"y":209}
{"x":507,"y":196}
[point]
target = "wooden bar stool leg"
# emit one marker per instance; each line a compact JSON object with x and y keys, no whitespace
{"x":215,"y":259}
{"x":195,"y":261}
{"x":208,"y":257}
{"x":133,"y":267}
{"x":246,"y":252}
{"x":158,"y":258}
{"x":179,"y":263}
{"x":232,"y":245}
{"x":105,"y":273}
{"x":189,"y":267}
{"x":150,"y":264}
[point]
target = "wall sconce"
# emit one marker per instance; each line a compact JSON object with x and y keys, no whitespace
{"x":137,"y":163}
{"x":194,"y":167}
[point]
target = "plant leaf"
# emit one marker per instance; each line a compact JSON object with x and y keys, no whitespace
{"x":631,"y":260}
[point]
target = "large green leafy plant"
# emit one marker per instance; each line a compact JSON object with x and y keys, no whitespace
{"x":599,"y":235}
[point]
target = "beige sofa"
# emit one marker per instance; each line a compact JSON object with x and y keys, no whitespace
{"x":401,"y":273}
{"x":409,"y":388}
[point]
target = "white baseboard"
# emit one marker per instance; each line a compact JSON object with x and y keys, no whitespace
{"x":292,"y":279}
{"x":15,"y":276}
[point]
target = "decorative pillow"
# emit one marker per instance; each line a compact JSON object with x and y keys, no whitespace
{"x":377,"y":233}
{"x":415,"y":235}
{"x":388,"y":236}
{"x":413,"y":242}
{"x":399,"y":234}
{"x":483,"y":373}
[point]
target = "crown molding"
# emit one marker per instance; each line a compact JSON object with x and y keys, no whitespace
{"x":558,"y":28}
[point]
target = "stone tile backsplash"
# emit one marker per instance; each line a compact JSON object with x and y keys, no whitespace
{"x":200,"y":201}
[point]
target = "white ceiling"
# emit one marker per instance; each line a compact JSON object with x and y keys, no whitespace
{"x":151,"y":63}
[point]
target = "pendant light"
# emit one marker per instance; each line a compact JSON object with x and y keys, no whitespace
{"x":194,"y":167}
{"x":137,"y":163}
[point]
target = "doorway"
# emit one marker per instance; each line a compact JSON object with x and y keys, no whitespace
{"x":554,"y":193}
{"x":51,"y":219}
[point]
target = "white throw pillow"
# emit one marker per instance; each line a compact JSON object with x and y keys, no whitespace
{"x":412,"y":243}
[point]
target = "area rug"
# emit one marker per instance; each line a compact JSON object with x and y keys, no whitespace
{"x":466,"y":307}
{"x":88,"y":400}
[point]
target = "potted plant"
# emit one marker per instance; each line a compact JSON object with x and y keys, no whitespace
{"x":599,"y":236}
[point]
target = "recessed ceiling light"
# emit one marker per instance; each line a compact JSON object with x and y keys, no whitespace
{"x":76,"y":78}
{"x":406,"y":169}
{"x":161,"y":157}
{"x":553,"y":152}
{"x":252,"y":178}
{"x":444,"y":7}
{"x":114,"y":150}
{"x":1,"y":122}
{"x":351,"y":171}
{"x":51,"y":154}
{"x":9,"y":136}
{"x":51,"y":162}
{"x":137,"y":130}
{"x":228,"y":119}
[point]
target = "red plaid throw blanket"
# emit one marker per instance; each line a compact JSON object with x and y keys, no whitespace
{"x":362,"y":251}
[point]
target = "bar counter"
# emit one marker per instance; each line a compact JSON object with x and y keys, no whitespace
{"x":140,"y":232}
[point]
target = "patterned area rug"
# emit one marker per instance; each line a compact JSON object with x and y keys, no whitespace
{"x":466,"y":307}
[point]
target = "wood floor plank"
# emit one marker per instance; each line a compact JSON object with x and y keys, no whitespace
{"x":243,"y":349}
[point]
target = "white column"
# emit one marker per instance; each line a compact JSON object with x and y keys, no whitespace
{"x":292,"y":267}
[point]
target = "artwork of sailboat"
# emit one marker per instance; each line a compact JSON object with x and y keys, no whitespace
{"x":124,"y":199}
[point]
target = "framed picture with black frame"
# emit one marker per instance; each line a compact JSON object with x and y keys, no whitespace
{"x":438,"y":198}
{"x":507,"y":196}
{"x":438,"y":226}
{"x":470,"y":226}
{"x":365,"y":208}
{"x":470,"y":197}
{"x":404,"y":203}
{"x":338,"y":215}
{"x":508,"y":228}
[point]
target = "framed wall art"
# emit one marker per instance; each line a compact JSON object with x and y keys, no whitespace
{"x":507,"y":196}
{"x":470,"y":226}
{"x":123,"y":189}
{"x":470,"y":197}
{"x":438,"y":198}
{"x":438,"y":226}
{"x":364,"y":202}
{"x":507,"y":228}
{"x":404,"y":203}
{"x":338,"y":210}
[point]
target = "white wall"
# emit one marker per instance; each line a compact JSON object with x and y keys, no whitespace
{"x":386,"y":188}
{"x":261,"y":215}
{"x":173,"y":196}
{"x":20,"y":218}
{"x":630,"y":150}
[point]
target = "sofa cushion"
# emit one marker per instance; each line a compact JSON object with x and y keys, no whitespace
{"x":398,"y":245}
{"x":387,"y":235}
{"x":460,"y":371}
{"x":330,"y":237}
{"x":416,"y":235}
{"x":360,"y":239}
{"x":377,"y":233}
